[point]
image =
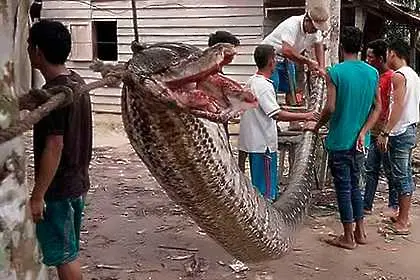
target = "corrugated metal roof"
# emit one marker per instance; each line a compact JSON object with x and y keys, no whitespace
{"x":392,"y":11}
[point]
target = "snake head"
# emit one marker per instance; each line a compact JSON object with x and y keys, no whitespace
{"x":189,"y":79}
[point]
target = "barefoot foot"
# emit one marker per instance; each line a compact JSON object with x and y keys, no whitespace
{"x":360,"y":238}
{"x":341,"y":243}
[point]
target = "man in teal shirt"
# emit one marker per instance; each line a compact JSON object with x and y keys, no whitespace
{"x":353,"y":106}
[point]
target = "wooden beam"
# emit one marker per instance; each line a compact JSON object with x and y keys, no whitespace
{"x":413,"y":51}
{"x":285,"y":8}
{"x":272,"y":9}
{"x":360,"y":18}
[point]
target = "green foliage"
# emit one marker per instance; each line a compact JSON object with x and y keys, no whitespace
{"x":396,"y":30}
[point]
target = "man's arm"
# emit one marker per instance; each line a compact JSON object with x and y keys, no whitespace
{"x":49,"y":161}
{"x":373,"y":118}
{"x":271,"y":108}
{"x":291,"y":53}
{"x":398,"y":83}
{"x":293,"y":116}
{"x":329,"y":108}
{"x":374,"y":114}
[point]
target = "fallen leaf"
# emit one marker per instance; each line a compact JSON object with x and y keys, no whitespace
{"x":238,"y":266}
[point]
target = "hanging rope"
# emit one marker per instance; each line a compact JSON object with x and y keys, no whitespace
{"x":65,"y":95}
{"x":58,"y":96}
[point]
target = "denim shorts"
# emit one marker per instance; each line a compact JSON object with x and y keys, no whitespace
{"x":397,"y":161}
{"x":59,"y":233}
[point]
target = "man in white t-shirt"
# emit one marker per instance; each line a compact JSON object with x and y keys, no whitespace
{"x":258,"y":127}
{"x":398,"y":137}
{"x":290,"y":38}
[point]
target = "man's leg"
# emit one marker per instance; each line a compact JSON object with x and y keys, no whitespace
{"x":283,"y":81}
{"x":70,"y":271}
{"x":393,"y":203}
{"x":400,"y":150}
{"x":291,"y":77}
{"x":262,"y":172}
{"x":256,"y":166}
{"x":407,"y":187}
{"x":356,"y":198}
{"x":275,"y":77}
{"x":241,"y":160}
{"x":273,"y":177}
{"x":226,"y":127}
{"x":373,"y":165}
{"x":341,"y":164}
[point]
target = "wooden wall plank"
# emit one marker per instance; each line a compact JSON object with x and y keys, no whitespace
{"x":200,"y":22}
{"x":242,"y":49}
{"x":194,"y":40}
{"x":191,"y":30}
{"x":59,"y":14}
{"x":164,"y":4}
{"x":65,"y":5}
{"x":106,"y":108}
{"x":177,"y":13}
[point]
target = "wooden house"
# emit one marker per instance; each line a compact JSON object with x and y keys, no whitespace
{"x":103,"y":29}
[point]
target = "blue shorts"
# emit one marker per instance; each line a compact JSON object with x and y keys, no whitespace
{"x":397,"y":161}
{"x":59,"y":232}
{"x":263,"y":168}
{"x":280,"y":77}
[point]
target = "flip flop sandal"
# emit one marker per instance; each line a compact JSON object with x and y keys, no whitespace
{"x":336,"y":242}
{"x":392,"y":220}
{"x":397,"y":231}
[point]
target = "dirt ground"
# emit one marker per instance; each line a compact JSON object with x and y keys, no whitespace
{"x":130,"y":226}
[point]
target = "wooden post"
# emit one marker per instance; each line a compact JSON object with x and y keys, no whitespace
{"x":19,"y":258}
{"x":360,"y":18}
{"x":334,"y":36}
{"x":332,"y":55}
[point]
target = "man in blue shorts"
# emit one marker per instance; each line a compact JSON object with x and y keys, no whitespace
{"x":290,"y":38}
{"x":62,"y":153}
{"x":258,"y":127}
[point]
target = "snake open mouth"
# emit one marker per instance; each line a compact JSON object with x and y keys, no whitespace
{"x":190,"y":79}
{"x":189,"y":156}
